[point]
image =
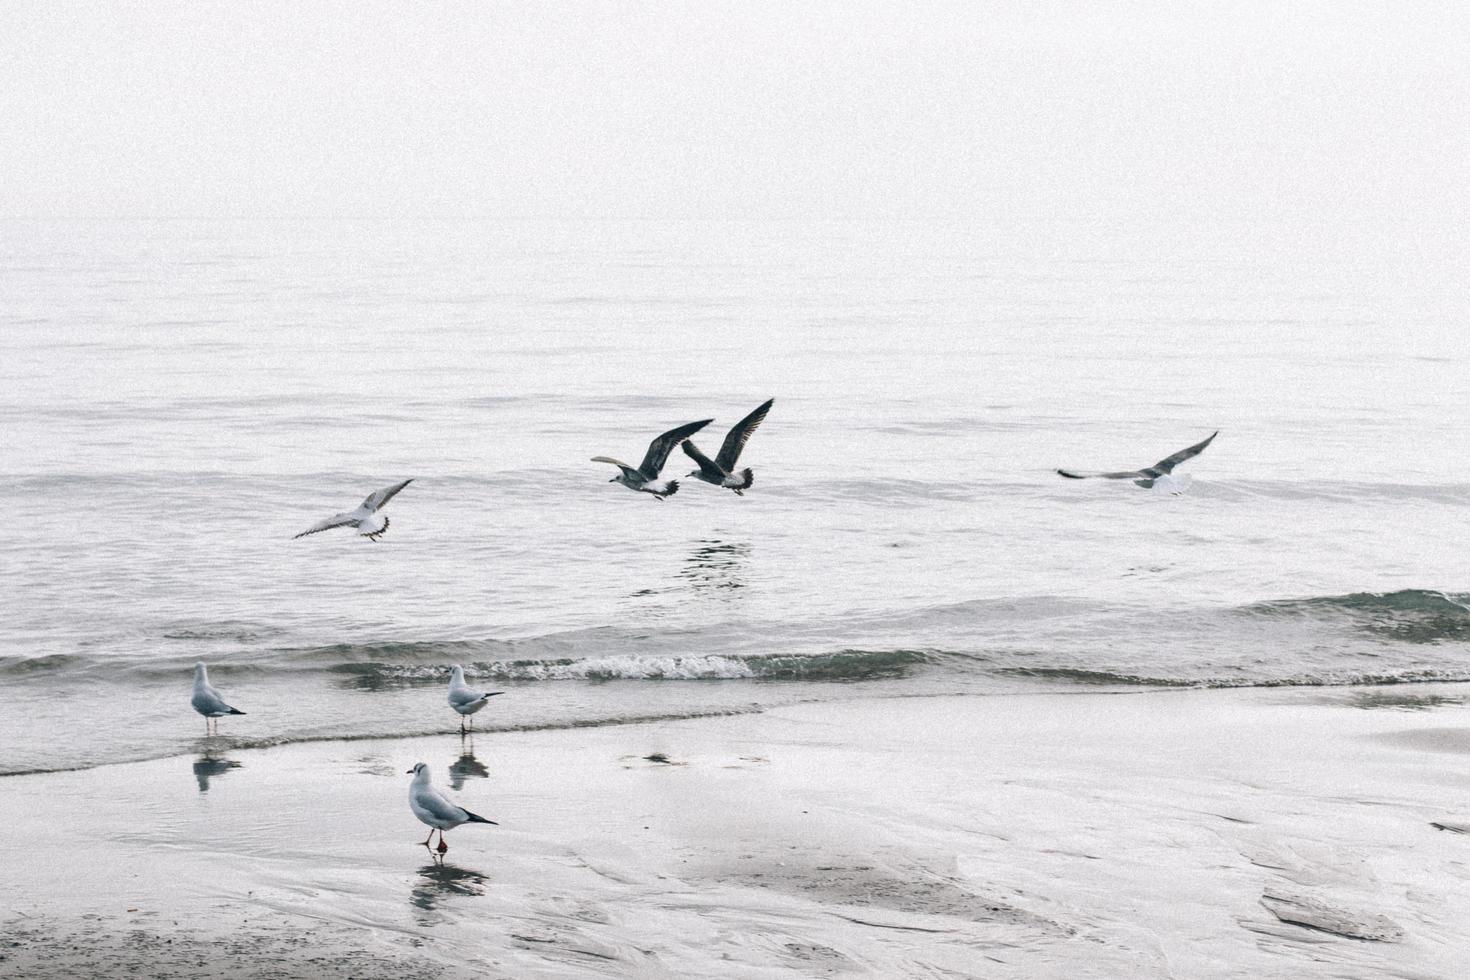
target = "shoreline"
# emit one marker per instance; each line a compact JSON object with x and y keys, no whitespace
{"x":1179,"y":832}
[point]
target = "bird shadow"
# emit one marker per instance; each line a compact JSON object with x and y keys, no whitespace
{"x":439,"y":881}
{"x":209,"y":766}
{"x":466,"y":766}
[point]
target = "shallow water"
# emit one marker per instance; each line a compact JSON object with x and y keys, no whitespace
{"x":180,"y":398}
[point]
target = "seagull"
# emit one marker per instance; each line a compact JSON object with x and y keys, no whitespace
{"x":207,"y":702}
{"x":366,"y":519}
{"x":645,"y":477}
{"x":464,"y":700}
{"x":721,"y":470}
{"x":434,"y":810}
{"x":1157,"y":473}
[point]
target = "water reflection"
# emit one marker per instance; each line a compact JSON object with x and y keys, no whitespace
{"x":715,"y":566}
{"x":440,"y":880}
{"x":1397,"y":701}
{"x":209,"y":765}
{"x":466,"y":766}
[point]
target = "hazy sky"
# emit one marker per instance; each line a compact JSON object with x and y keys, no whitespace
{"x":739,"y":109}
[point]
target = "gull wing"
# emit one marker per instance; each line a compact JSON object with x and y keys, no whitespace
{"x":659,"y":449}
{"x":1167,"y":464}
{"x":1130,"y":475}
{"x":208,"y":701}
{"x":739,"y":435}
{"x":707,"y":466}
{"x":440,"y":808}
{"x":326,"y":524}
{"x":378,"y":498}
{"x":463,"y":696}
{"x":628,"y":471}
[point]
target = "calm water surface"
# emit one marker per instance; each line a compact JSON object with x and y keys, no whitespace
{"x":180,"y":398}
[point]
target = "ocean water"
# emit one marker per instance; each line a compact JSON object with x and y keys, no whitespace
{"x":178,"y":398}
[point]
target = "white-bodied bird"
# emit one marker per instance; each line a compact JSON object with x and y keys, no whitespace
{"x":207,"y":700}
{"x":721,"y":470}
{"x":1149,"y":475}
{"x":368,"y":519}
{"x":463,"y":699}
{"x":434,"y":809}
{"x":645,"y":477}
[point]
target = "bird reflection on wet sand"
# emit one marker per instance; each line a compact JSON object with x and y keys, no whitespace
{"x":440,"y":880}
{"x":208,"y":766}
{"x":466,"y":766}
{"x":716,"y":565}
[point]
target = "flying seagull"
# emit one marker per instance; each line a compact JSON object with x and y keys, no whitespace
{"x":645,"y":477}
{"x":207,"y":702}
{"x":721,"y":470}
{"x":1147,"y":476}
{"x":435,"y":810}
{"x":464,"y":700}
{"x":366,"y":519}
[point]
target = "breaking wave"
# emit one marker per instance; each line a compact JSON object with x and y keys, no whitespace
{"x":844,"y":665}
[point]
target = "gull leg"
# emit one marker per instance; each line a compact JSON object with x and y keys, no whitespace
{"x":442,"y":846}
{"x":430,"y":837}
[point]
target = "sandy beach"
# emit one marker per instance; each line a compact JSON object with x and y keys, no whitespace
{"x":1173,"y":833}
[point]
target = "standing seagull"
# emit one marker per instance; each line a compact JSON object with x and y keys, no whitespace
{"x":434,"y":810}
{"x":464,"y":700}
{"x":366,"y":519}
{"x":1149,"y":475}
{"x":207,"y":702}
{"x":721,"y":470}
{"x":645,"y":477}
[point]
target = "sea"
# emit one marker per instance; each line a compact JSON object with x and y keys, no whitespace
{"x":179,"y":398}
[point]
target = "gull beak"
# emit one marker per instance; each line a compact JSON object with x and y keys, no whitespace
{"x":408,"y":772}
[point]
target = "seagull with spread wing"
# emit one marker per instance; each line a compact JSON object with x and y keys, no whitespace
{"x":368,"y":519}
{"x":1149,"y":475}
{"x":720,"y":471}
{"x":646,"y":476}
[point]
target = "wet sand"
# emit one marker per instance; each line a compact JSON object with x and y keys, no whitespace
{"x":1264,"y":833}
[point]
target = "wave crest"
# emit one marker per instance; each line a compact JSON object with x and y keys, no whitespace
{"x":1407,"y":615}
{"x":842,"y":666}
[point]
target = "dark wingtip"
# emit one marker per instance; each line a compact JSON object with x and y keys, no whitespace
{"x":1070,"y":476}
{"x":236,"y":711}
